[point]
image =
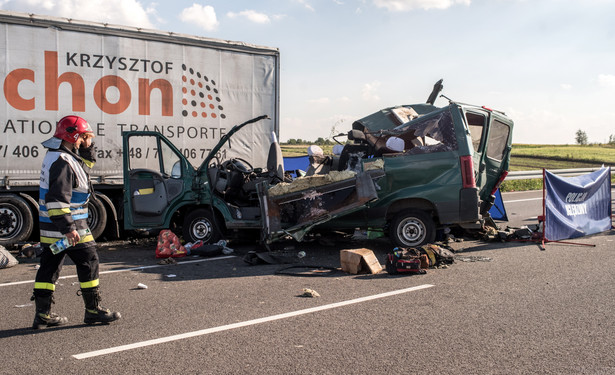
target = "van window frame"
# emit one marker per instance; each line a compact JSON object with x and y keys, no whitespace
{"x":504,"y":145}
{"x":485,"y":116}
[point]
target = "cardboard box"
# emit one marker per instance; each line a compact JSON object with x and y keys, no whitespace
{"x":359,"y":260}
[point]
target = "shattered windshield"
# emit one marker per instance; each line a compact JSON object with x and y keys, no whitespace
{"x":427,"y":134}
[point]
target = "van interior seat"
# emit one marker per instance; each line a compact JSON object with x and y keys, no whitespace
{"x":275,"y":161}
{"x":360,"y":150}
{"x":319,"y":164}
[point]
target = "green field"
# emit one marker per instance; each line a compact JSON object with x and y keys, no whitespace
{"x":535,"y":157}
{"x":301,"y":150}
{"x":525,"y":158}
{"x":530,"y":157}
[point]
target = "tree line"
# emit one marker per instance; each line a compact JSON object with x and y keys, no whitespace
{"x":581,"y":138}
{"x":320,"y":142}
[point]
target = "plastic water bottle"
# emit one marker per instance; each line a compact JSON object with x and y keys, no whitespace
{"x":59,"y":246}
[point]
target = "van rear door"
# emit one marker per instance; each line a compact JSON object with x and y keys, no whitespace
{"x":497,"y":154}
{"x":477,"y":121}
{"x":491,"y":135}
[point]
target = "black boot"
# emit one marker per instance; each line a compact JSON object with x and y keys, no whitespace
{"x":94,"y":313}
{"x":43,"y":317}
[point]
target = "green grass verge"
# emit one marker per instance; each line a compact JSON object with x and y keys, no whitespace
{"x":537,"y":157}
{"x":531,"y":157}
{"x":521,"y":185}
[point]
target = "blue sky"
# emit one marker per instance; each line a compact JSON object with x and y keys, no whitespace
{"x":549,"y":64}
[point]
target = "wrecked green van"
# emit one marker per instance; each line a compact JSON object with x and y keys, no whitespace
{"x":404,"y":170}
{"x":452,"y":162}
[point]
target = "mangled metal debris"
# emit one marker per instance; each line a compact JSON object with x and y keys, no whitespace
{"x":309,"y":182}
{"x":523,"y":233}
{"x":296,"y":212}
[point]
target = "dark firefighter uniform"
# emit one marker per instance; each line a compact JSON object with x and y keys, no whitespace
{"x":63,"y":198}
{"x":63,"y":208}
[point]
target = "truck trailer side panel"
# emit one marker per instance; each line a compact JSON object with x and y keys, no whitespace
{"x":190,"y":89}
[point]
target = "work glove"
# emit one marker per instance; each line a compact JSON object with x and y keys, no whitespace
{"x":88,"y":153}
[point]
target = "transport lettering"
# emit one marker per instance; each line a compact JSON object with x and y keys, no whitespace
{"x":172,"y":131}
{"x":20,"y":126}
{"x":28,"y":127}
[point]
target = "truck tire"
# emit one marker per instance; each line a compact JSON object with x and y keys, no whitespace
{"x":411,"y":228}
{"x":199,"y":225}
{"x":16,"y":221}
{"x":97,"y":217}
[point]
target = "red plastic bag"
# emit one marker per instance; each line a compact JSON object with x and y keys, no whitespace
{"x":169,"y":246}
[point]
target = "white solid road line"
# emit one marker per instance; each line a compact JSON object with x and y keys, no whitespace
{"x":227,"y":327}
{"x":125,"y":269}
{"x":524,"y":200}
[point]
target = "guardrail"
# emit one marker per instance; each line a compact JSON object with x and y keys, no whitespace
{"x":524,"y":175}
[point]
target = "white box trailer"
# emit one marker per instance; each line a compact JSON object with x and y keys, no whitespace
{"x":190,"y":89}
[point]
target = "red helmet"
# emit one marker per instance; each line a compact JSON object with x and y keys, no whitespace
{"x":69,"y":128}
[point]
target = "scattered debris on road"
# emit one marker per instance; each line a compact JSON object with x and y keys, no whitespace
{"x":472,"y":258}
{"x":310,"y":293}
{"x":6,"y":258}
{"x":359,"y":260}
{"x":167,"y":261}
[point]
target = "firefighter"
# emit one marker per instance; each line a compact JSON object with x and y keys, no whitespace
{"x":63,"y":204}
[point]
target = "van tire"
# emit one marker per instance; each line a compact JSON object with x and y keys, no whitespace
{"x":16,"y":220}
{"x":411,"y":228}
{"x":199,"y":225}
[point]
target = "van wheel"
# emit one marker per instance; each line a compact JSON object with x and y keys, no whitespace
{"x":199,"y":225}
{"x":97,"y":217}
{"x":411,"y":228}
{"x":16,"y":220}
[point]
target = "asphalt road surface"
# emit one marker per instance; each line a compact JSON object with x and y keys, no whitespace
{"x":501,"y":308}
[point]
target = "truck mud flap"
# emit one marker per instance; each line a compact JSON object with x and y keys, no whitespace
{"x":295,"y":214}
{"x":468,"y":205}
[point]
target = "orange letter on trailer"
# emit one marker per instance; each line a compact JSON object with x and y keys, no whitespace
{"x":166,"y":92}
{"x":11,"y":89}
{"x":100,"y":94}
{"x":53,"y":82}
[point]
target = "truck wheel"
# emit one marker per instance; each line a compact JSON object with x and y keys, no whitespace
{"x":411,"y":228}
{"x":199,"y":225}
{"x":16,"y":220}
{"x":97,"y":217}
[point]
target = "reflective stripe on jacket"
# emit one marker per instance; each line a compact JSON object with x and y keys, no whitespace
{"x":63,"y":197}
